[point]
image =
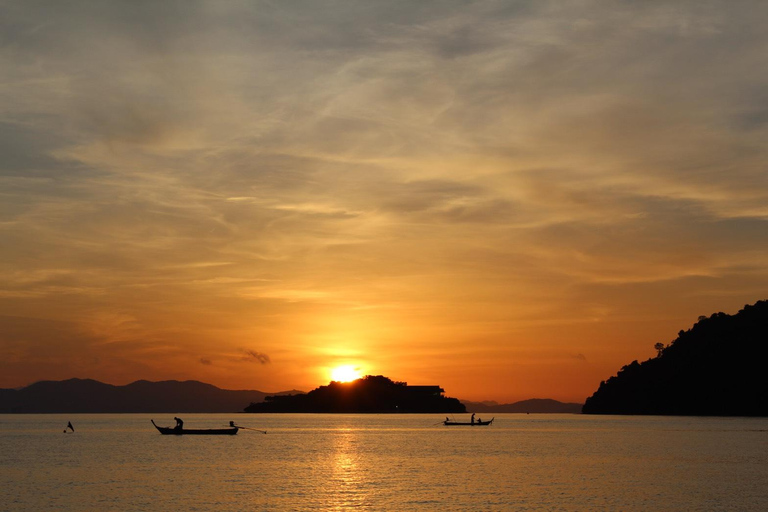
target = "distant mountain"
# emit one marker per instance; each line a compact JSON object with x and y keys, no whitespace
{"x":534,"y":405}
{"x":716,"y":368}
{"x":90,"y":396}
{"x":371,"y":394}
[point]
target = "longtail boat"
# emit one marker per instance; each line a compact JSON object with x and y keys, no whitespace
{"x":171,"y":431}
{"x":478,"y":423}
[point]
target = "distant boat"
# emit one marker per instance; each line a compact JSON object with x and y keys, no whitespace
{"x":170,"y":431}
{"x":478,"y":423}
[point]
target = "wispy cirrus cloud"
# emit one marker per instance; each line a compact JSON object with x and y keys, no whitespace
{"x":253,"y":170}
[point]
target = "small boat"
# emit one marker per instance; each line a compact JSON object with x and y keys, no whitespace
{"x":171,"y":431}
{"x":478,"y":423}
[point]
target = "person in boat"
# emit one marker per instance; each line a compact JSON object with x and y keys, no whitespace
{"x":179,"y":423}
{"x":479,"y":421}
{"x":472,"y":419}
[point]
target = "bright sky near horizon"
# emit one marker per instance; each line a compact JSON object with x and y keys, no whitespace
{"x":507,"y":199}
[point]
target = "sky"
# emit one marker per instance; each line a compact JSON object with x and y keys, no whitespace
{"x":510,"y":200}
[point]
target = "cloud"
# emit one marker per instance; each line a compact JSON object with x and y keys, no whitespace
{"x":418,"y":164}
{"x":256,"y":357}
{"x":205,"y":361}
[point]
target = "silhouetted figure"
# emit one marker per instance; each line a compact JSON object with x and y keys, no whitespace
{"x":447,"y":419}
{"x":179,"y":423}
{"x":231,"y":423}
{"x":479,"y":420}
{"x":472,"y":419}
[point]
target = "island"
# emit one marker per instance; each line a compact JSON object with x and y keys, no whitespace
{"x":91,"y":396}
{"x":532,"y":405}
{"x":716,"y":368}
{"x":370,"y":394}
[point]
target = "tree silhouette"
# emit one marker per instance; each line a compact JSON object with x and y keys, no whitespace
{"x":717,"y":367}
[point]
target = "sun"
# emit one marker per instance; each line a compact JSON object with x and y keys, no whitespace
{"x":346,"y":373}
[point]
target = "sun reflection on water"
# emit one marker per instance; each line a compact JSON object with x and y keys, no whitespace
{"x":348,"y":487}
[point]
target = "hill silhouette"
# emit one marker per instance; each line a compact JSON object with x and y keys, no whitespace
{"x":533,"y":405}
{"x":716,"y":368}
{"x":371,"y":394}
{"x":91,"y":396}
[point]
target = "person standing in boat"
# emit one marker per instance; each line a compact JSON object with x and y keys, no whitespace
{"x":179,"y":423}
{"x":472,"y":419}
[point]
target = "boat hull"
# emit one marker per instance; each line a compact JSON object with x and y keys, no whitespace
{"x":169,"y":431}
{"x":468,"y":424}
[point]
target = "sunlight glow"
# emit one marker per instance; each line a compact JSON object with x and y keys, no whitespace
{"x":345,"y":373}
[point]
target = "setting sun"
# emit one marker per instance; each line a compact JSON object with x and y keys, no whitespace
{"x":345,"y":373}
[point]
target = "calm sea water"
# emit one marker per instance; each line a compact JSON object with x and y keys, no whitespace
{"x":384,"y":462}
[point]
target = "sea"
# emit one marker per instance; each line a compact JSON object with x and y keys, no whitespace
{"x":384,"y":462}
